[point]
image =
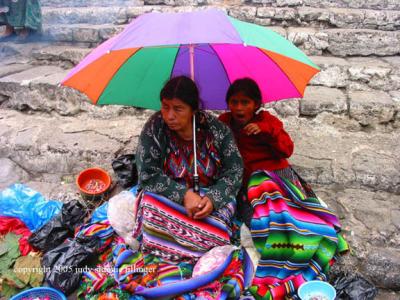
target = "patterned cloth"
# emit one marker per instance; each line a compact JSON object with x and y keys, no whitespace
{"x":21,"y":14}
{"x":156,"y":145}
{"x":167,"y":232}
{"x":297,"y":237}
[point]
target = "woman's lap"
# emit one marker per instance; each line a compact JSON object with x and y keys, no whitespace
{"x":295,"y":236}
{"x":169,"y":233}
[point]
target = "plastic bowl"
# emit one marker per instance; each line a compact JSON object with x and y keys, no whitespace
{"x":41,"y":292}
{"x":316,"y":289}
{"x":93,"y":175}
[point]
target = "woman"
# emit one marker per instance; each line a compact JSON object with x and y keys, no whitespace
{"x":176,"y":222}
{"x":20,"y":17}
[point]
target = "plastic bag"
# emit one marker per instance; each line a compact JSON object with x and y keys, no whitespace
{"x":121,"y":214}
{"x":63,"y":264}
{"x":100,"y":214}
{"x":354,"y":287}
{"x":29,"y":206}
{"x":124,"y":167}
{"x":59,"y":228}
{"x":212,"y":259}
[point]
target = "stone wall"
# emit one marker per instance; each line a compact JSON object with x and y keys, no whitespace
{"x":345,"y":129}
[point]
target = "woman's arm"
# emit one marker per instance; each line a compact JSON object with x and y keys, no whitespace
{"x":228,"y":184}
{"x":149,"y":161}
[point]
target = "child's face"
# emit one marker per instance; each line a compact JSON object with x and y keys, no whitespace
{"x":242,"y":108}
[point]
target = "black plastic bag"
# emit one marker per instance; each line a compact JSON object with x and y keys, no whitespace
{"x":124,"y":167}
{"x":354,"y":287}
{"x":64,"y":265}
{"x":59,"y":228}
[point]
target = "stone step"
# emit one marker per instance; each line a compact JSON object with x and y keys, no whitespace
{"x":367,"y":4}
{"x":330,"y":42}
{"x":355,"y":4}
{"x":318,"y":17}
{"x":354,"y":73}
{"x":84,"y":15}
{"x":80,"y":33}
{"x":91,"y":3}
{"x":347,"y":87}
{"x":267,"y":16}
{"x":48,"y":147}
{"x":324,"y":154}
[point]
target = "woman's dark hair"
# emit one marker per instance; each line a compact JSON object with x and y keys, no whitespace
{"x":247,"y":86}
{"x":183,"y":88}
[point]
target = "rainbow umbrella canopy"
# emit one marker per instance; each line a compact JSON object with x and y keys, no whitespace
{"x":208,"y":46}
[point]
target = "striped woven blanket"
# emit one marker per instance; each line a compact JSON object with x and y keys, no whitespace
{"x":297,"y":237}
{"x":167,"y":231}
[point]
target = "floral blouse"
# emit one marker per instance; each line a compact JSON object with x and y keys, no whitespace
{"x":154,"y":149}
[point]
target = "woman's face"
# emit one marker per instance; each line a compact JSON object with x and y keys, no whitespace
{"x":242,"y":108}
{"x":177,"y":114}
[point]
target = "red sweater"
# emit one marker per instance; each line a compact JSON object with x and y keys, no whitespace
{"x":268,"y":149}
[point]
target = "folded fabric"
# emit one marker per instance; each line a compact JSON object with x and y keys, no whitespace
{"x":16,"y":226}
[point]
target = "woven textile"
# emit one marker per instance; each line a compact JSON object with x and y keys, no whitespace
{"x":169,"y":233}
{"x":296,"y":236}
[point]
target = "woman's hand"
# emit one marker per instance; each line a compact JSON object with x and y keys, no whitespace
{"x":252,"y":128}
{"x":191,"y":203}
{"x":205,"y":207}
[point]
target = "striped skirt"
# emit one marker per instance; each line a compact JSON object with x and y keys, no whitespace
{"x":166,"y":231}
{"x":296,"y":236}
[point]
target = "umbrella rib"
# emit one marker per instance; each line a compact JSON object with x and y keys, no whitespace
{"x":176,"y":57}
{"x":222,"y":64}
{"x":283,"y":71}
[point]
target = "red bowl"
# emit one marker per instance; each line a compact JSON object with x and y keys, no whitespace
{"x":93,"y":175}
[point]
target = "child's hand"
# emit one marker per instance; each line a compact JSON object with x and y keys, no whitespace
{"x":252,"y":128}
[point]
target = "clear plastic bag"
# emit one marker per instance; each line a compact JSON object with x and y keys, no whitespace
{"x":121,"y":213}
{"x":212,"y":259}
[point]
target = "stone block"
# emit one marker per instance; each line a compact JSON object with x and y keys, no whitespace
{"x":383,"y":266}
{"x":385,"y":20}
{"x":368,"y":4}
{"x":346,"y":18}
{"x":24,"y":78}
{"x":6,"y":70}
{"x":311,"y":14}
{"x":371,"y":107}
{"x":311,"y":41}
{"x":334,"y":71}
{"x":58,"y":33}
{"x":362,"y":42}
{"x":244,"y":13}
{"x":85,"y":3}
{"x":289,"y":2}
{"x":10,"y":173}
{"x":319,"y":99}
{"x":61,"y":55}
{"x":86,"y":34}
{"x":287,"y":108}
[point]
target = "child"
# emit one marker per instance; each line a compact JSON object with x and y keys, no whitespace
{"x":261,"y":138}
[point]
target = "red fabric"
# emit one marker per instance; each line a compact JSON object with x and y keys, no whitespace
{"x":16,"y":226}
{"x":267,"y":150}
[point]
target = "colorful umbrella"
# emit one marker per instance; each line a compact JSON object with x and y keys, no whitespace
{"x":209,"y":46}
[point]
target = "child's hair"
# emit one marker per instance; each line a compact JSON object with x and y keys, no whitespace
{"x":247,"y":86}
{"x":183,"y":88}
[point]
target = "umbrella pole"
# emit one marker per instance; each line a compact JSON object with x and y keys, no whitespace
{"x":196,"y":186}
